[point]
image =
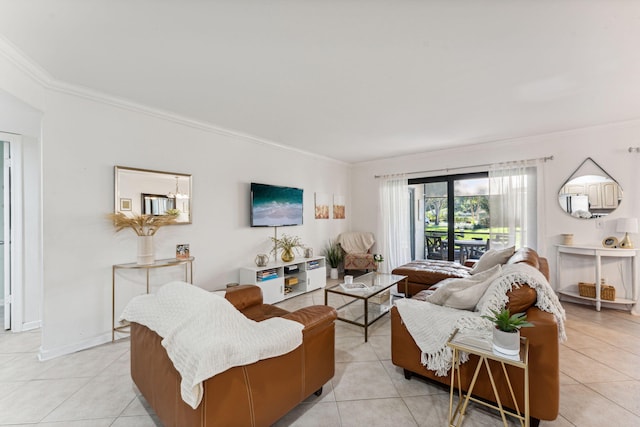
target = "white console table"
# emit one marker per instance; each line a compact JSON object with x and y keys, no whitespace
{"x":597,"y":253}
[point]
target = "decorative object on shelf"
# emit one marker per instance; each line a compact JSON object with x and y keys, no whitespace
{"x":378,"y":259}
{"x":288,"y":244}
{"x":173,"y":212}
{"x":182,"y":251}
{"x":626,"y":226}
{"x":145,"y":226}
{"x":610,"y":242}
{"x":262,"y":260}
{"x":333,"y":253}
{"x":506,"y":334}
{"x":308,"y":252}
{"x":567,"y":239}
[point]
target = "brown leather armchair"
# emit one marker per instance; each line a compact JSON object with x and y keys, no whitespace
{"x":252,"y":395}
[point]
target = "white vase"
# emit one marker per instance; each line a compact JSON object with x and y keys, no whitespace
{"x":506,"y":342}
{"x":145,"y":250}
{"x":334,"y":273}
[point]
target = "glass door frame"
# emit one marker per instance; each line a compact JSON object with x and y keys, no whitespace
{"x":449,"y":180}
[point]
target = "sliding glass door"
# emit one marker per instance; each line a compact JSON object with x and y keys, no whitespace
{"x":455,"y":215}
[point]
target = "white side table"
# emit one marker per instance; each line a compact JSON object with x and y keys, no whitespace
{"x":481,"y":347}
{"x":597,"y":253}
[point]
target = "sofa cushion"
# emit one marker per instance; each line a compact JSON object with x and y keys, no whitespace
{"x":492,"y":258}
{"x":464,"y":293}
{"x":431,"y":271}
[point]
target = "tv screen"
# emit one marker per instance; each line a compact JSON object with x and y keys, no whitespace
{"x":275,"y":206}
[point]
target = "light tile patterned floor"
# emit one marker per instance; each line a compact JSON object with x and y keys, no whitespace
{"x":600,"y":381}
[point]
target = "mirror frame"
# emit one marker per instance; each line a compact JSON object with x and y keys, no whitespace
{"x":119,"y":183}
{"x":588,"y":192}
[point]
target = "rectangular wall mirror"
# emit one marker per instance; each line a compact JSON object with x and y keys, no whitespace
{"x":149,"y":192}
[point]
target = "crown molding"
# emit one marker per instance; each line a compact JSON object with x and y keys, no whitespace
{"x":42,"y":77}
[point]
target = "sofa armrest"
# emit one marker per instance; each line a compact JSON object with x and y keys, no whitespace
{"x":244,"y":296}
{"x":315,"y":316}
{"x":544,"y":361}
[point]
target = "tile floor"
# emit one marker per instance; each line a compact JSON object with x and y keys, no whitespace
{"x":600,"y":381}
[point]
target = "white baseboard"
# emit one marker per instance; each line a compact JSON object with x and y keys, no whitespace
{"x":29,"y":326}
{"x":48,"y":354}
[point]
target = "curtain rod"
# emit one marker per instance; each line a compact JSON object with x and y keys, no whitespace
{"x":544,"y":159}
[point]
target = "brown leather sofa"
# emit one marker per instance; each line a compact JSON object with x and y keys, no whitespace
{"x":544,"y":368}
{"x":253,"y":395}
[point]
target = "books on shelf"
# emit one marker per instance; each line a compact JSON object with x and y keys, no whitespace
{"x":263,"y":275}
{"x":312,"y":265}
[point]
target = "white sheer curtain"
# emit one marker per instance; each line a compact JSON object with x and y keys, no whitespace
{"x":516,"y":205}
{"x":393,"y":227}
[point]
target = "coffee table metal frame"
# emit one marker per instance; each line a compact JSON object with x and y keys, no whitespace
{"x":485,"y":353}
{"x":385,"y":281}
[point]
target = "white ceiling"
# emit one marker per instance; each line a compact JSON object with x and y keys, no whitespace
{"x":351,"y":80}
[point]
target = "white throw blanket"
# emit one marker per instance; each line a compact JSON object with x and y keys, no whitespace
{"x":431,"y":325}
{"x":355,"y":242}
{"x":204,"y":334}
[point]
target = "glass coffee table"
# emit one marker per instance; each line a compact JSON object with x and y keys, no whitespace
{"x":369,"y":288}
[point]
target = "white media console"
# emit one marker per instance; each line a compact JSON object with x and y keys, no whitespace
{"x":282,"y":280}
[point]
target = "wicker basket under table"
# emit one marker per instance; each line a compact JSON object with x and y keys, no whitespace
{"x":607,"y":292}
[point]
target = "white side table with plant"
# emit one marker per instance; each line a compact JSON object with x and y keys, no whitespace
{"x":489,"y":350}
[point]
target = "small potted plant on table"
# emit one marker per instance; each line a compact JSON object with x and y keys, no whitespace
{"x":506,"y":334}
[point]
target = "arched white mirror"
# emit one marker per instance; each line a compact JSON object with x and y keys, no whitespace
{"x":593,"y":195}
{"x":149,"y":192}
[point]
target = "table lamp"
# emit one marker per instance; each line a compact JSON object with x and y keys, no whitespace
{"x":626,"y":226}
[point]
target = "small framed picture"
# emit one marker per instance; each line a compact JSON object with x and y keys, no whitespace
{"x":610,"y":242}
{"x":182,"y":251}
{"x":125,"y":204}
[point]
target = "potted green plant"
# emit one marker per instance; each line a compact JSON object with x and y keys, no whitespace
{"x":333,"y":253}
{"x":506,"y":334}
{"x":288,"y":244}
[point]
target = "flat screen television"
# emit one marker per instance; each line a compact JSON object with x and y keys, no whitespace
{"x":275,"y":206}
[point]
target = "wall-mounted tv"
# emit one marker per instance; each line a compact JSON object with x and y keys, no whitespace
{"x":275,"y":206}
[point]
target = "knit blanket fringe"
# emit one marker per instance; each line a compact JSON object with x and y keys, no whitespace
{"x":431,"y":325}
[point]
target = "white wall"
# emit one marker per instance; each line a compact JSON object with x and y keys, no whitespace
{"x":607,"y":145}
{"x":83,"y":138}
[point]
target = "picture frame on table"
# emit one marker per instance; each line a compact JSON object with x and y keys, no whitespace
{"x":182,"y":251}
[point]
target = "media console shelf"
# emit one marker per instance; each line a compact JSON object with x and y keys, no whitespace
{"x":282,"y":280}
{"x":629,"y":297}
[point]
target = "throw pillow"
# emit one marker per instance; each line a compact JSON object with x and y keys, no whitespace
{"x":492,"y":258}
{"x":464,"y":293}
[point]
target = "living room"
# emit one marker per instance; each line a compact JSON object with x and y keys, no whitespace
{"x":72,"y":137}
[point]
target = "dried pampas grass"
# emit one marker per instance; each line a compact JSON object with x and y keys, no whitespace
{"x":142,"y":225}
